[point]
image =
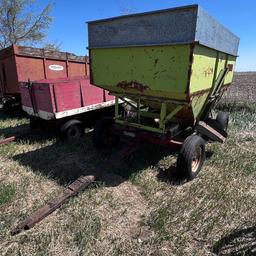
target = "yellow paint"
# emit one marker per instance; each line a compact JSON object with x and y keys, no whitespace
{"x":162,"y":69}
{"x":203,"y":68}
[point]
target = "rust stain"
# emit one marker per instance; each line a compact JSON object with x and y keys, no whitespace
{"x":208,"y":72}
{"x":132,"y":85}
{"x":202,"y":92}
{"x":230,"y":67}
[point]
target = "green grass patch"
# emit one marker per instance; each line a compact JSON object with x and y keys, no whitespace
{"x":7,"y":192}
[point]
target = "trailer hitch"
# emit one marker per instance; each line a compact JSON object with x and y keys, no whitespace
{"x":8,"y":140}
{"x":14,"y":137}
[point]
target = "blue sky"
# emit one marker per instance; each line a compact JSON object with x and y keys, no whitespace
{"x":69,"y":27}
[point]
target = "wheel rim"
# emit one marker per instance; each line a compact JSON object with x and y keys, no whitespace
{"x":73,"y":132}
{"x":196,"y":159}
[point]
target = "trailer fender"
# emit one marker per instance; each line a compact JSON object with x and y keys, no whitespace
{"x":211,"y":133}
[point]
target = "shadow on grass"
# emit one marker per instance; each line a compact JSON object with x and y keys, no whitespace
{"x":23,"y":132}
{"x":65,"y":161}
{"x":170,"y":176}
{"x":238,"y":243}
{"x":5,"y":115}
{"x":61,"y":161}
{"x":150,"y":155}
{"x":13,"y":131}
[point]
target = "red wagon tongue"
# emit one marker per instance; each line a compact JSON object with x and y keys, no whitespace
{"x":74,"y":188}
{"x":14,"y":137}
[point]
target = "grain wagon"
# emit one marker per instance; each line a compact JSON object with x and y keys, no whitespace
{"x":170,"y":67}
{"x":20,"y":64}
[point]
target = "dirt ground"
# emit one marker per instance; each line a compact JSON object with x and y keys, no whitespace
{"x":243,"y":88}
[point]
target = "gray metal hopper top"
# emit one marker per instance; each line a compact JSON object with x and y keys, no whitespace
{"x":180,"y":25}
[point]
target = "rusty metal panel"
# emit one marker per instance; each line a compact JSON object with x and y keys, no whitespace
{"x":9,"y":75}
{"x":48,"y":54}
{"x":18,"y":64}
{"x":182,"y":25}
{"x":29,"y":68}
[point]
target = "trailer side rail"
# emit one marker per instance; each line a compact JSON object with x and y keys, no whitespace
{"x":58,"y":115}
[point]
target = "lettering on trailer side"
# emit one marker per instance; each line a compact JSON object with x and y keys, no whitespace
{"x":56,"y":67}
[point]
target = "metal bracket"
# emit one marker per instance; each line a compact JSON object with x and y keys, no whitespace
{"x":214,"y":94}
{"x":162,"y":115}
{"x":209,"y":132}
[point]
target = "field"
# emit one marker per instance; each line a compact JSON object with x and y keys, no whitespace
{"x":243,"y":89}
{"x":138,"y":208}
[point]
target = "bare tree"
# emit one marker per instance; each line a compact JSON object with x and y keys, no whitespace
{"x":52,"y":46}
{"x":21,"y":24}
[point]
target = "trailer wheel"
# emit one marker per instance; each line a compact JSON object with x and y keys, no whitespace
{"x":33,"y":122}
{"x":222,"y":120}
{"x":191,"y":157}
{"x":102,"y":137}
{"x":72,"y":130}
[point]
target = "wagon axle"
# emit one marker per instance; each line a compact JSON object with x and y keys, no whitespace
{"x":189,"y":142}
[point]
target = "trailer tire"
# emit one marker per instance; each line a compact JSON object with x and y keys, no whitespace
{"x":72,"y":130}
{"x":34,"y":122}
{"x":222,"y":120}
{"x":102,"y":138}
{"x":191,"y":157}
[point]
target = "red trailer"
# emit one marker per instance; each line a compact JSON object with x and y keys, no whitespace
{"x":20,"y":64}
{"x":71,"y":103}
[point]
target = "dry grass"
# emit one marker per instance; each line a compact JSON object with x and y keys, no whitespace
{"x":138,"y":208}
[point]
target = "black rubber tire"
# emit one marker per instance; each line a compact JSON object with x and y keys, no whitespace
{"x":102,"y":138}
{"x":222,"y":120}
{"x":72,"y":130}
{"x":193,"y":146}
